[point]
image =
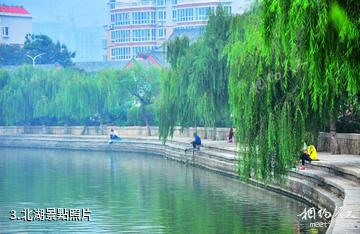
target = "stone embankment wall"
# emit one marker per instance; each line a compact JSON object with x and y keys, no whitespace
{"x":221,"y":133}
{"x":348,"y":143}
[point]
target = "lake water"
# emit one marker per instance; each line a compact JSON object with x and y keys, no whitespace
{"x":133,"y":193}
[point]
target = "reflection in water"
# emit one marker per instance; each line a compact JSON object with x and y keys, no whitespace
{"x":137,"y":193}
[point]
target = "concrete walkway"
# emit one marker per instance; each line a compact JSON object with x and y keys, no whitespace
{"x":343,"y":171}
{"x":345,"y":162}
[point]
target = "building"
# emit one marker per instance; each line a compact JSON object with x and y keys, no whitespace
{"x":136,"y":26}
{"x":15,"y":24}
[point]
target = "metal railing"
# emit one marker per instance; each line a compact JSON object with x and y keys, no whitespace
{"x":131,"y":3}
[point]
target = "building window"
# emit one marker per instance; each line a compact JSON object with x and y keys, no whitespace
{"x":112,"y":4}
{"x":153,"y":34}
{"x":120,"y":53}
{"x":160,"y":2}
{"x":162,"y":15}
{"x":227,"y":9}
{"x":186,"y":14}
{"x":120,"y":36}
{"x":120,"y":19}
{"x":199,"y":27}
{"x":153,"y":17}
{"x":174,"y":2}
{"x":174,"y":15}
{"x":141,"y":49}
{"x":162,"y":32}
{"x":139,"y":35}
{"x":202,"y":13}
{"x":143,"y":17}
{"x":5,"y":31}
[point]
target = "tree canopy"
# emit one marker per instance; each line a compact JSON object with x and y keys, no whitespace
{"x":288,"y":70}
{"x":143,"y":84}
{"x":67,"y":96}
{"x":34,"y":45}
{"x":293,"y":70}
{"x":195,"y":90}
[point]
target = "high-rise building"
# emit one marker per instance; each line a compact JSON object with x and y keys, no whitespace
{"x":136,"y":26}
{"x":15,"y":24}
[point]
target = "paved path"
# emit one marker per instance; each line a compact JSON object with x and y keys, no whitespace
{"x":347,"y":162}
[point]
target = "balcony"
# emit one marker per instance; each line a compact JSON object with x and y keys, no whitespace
{"x":131,"y":4}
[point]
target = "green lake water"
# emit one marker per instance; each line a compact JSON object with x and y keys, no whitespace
{"x":135,"y":193}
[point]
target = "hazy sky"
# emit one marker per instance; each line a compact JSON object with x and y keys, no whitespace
{"x":79,"y":12}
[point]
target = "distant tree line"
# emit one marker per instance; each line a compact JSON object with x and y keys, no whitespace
{"x":62,"y":96}
{"x":52,"y":53}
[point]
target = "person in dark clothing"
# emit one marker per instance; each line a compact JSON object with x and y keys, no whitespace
{"x":113,"y":136}
{"x":304,"y":157}
{"x":197,"y":141}
{"x":231,"y":135}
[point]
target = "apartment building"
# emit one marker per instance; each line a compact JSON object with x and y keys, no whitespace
{"x":136,"y":26}
{"x":15,"y":24}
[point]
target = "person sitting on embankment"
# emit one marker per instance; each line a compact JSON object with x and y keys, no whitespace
{"x":304,"y":156}
{"x":309,"y":154}
{"x":196,"y":143}
{"x":113,"y":136}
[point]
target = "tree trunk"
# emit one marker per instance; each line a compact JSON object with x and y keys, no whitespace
{"x":144,"y":116}
{"x":43,"y":129}
{"x":66,"y":127}
{"x":334,"y":147}
{"x":101,"y":129}
{"x":85,"y":130}
{"x":205,"y":133}
{"x":26,"y":128}
{"x":214,"y":134}
{"x":148,"y":128}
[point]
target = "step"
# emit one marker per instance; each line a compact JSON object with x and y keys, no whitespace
{"x":327,"y":180}
{"x":313,"y":194}
{"x":351,"y":172}
{"x":206,"y":145}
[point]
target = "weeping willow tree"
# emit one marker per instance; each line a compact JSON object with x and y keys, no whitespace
{"x":18,"y":96}
{"x":76,"y":97}
{"x":195,"y":92}
{"x":321,"y":38}
{"x":60,"y":96}
{"x":142,"y":82}
{"x":111,"y":95}
{"x":209,"y":78}
{"x":261,"y":103}
{"x":171,"y":97}
{"x":292,"y":68}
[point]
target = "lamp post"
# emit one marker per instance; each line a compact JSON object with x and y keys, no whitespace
{"x":35,"y":57}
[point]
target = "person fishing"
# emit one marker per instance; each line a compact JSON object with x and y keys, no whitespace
{"x":196,"y":142}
